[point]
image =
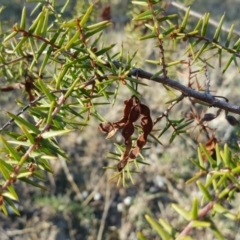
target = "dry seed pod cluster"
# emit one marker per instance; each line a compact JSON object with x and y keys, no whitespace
{"x":133,"y":110}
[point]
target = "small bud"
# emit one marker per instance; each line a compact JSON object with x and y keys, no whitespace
{"x":208,"y":117}
{"x":173,"y":35}
{"x":232,"y":120}
{"x":94,"y":49}
{"x":15,"y":28}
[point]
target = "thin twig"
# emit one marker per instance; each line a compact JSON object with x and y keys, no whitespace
{"x":207,"y":78}
{"x":32,"y":103}
{"x":29,"y":34}
{"x":165,"y":113}
{"x":13,"y":61}
{"x":202,"y":214}
{"x":91,"y":195}
{"x":214,"y":44}
{"x":107,"y":204}
{"x":71,"y":180}
{"x":198,"y":15}
{"x":21,"y":112}
{"x":159,"y":39}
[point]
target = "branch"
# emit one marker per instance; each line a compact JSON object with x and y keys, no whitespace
{"x":207,"y":98}
{"x":46,"y":127}
{"x":215,"y":44}
{"x":166,"y":112}
{"x":20,"y":112}
{"x":32,"y":103}
{"x":15,"y":60}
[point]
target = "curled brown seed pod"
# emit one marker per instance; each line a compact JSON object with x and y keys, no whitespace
{"x":132,"y":111}
{"x":232,"y":120}
{"x":208,"y":117}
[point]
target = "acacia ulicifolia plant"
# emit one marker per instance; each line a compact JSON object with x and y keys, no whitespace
{"x":64,"y":66}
